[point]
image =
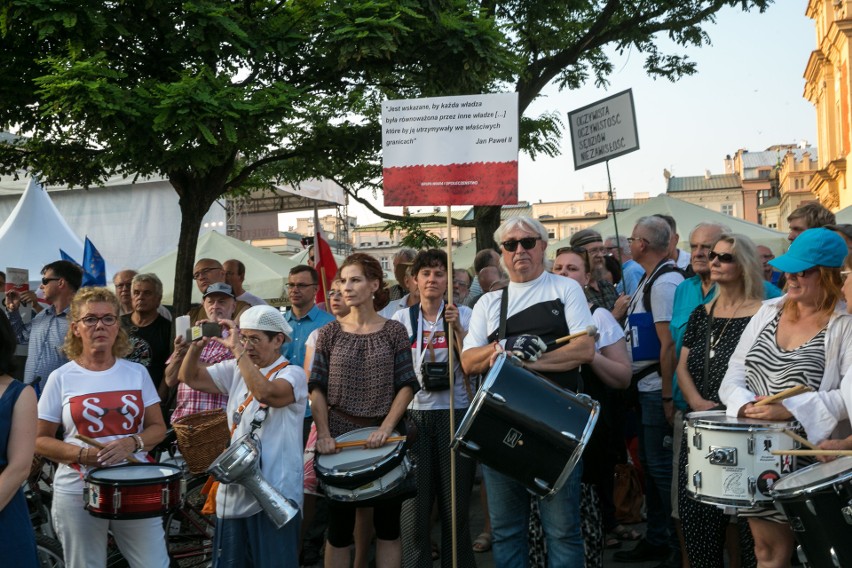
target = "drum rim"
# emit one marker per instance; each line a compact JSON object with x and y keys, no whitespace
{"x":91,"y":475}
{"x":707,"y":499}
{"x":478,"y":400}
{"x":348,"y":495}
{"x":382,"y":467}
{"x":783,"y":493}
{"x":744,"y":424}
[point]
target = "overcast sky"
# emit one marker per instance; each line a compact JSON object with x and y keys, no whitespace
{"x":747,"y":93}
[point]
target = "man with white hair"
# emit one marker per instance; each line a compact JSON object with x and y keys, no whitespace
{"x":539,"y":307}
{"x":266,"y":399}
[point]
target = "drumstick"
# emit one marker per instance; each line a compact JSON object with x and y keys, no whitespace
{"x":792,"y":391}
{"x":359,"y":443}
{"x":817,"y":452}
{"x":801,"y":440}
{"x":98,"y":445}
{"x":590,"y":330}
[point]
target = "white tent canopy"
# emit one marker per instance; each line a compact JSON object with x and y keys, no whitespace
{"x":687,"y":216}
{"x":266,"y":272}
{"x":35,"y":231}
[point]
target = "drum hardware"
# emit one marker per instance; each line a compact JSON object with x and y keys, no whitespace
{"x":526,"y":427}
{"x":239,"y":464}
{"x":723,"y":456}
{"x":361,"y":474}
{"x":817,"y":500}
{"x":133,"y":491}
{"x":738,"y":468}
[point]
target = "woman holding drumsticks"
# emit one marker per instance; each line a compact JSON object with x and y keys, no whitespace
{"x":112,"y":401}
{"x":362,"y":375}
{"x":800,"y":339}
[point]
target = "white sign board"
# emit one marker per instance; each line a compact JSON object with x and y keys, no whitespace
{"x":603,"y":130}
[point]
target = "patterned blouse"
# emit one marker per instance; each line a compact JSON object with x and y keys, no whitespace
{"x":361,"y":374}
{"x":770,"y":369}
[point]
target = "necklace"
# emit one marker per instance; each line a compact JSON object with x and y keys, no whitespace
{"x":713,"y":344}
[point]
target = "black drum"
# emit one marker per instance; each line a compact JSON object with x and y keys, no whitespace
{"x":818,"y":503}
{"x":527,"y":427}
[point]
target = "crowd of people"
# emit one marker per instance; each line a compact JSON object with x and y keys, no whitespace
{"x":668,"y":333}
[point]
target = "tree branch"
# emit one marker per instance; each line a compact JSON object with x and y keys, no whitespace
{"x":244,"y":174}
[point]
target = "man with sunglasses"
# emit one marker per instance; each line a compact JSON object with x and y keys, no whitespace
{"x":46,"y":332}
{"x":539,"y":307}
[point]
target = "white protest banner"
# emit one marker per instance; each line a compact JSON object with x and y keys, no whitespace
{"x":604,"y":130}
{"x":451,"y":150}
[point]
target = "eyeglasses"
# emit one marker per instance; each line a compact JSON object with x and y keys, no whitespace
{"x":46,"y":281}
{"x":631,"y":240}
{"x":724,"y":257}
{"x":250,"y":339}
{"x":299,"y":286}
{"x":335,"y":294}
{"x":527,"y":242}
{"x":596,"y":251}
{"x":91,"y":321}
{"x":806,"y":273}
{"x":460,"y":283}
{"x":203,"y":272}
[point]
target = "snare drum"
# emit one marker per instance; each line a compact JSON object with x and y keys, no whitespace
{"x":730,"y":461}
{"x":357,"y":474}
{"x":134,"y":491}
{"x":818,"y":503}
{"x":527,"y":427}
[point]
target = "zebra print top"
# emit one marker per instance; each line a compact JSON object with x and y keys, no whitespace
{"x":770,"y":369}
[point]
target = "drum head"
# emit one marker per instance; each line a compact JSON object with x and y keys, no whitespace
{"x":133,"y":473}
{"x":356,"y":458}
{"x":719,"y":420}
{"x":816,"y":475}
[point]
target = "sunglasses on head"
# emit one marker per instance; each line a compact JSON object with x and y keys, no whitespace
{"x":724,"y":257}
{"x":527,"y":242}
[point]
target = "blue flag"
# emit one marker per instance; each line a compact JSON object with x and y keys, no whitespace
{"x":94,"y":267}
{"x":65,"y":256}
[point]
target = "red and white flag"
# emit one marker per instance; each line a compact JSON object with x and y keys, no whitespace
{"x":324,"y":262}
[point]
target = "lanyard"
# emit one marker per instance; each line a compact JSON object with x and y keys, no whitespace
{"x":259,"y":418}
{"x":421,"y":352}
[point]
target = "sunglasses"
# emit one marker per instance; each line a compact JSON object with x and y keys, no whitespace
{"x":527,"y":242}
{"x":808,"y":272}
{"x":724,"y":257}
{"x":46,"y":281}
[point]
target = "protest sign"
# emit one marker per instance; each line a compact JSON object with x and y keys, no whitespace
{"x":603,"y":130}
{"x":451,"y":150}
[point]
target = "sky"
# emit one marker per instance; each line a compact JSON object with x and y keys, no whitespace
{"x":747,"y":93}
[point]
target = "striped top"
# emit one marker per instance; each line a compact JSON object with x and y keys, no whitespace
{"x":770,"y":369}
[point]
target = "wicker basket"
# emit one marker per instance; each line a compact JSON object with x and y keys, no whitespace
{"x":201,"y":438}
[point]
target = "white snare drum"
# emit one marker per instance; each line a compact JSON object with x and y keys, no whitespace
{"x":133,"y":491}
{"x":730,"y":459}
{"x":357,"y":474}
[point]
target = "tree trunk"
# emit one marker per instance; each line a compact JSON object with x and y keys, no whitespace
{"x":487,"y":220}
{"x":195,"y":200}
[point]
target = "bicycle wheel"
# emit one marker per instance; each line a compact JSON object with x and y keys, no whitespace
{"x":189,"y":532}
{"x":49,"y":552}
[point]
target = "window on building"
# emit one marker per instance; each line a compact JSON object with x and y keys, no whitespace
{"x":727,"y":209}
{"x":384,"y":262}
{"x":551,"y":235}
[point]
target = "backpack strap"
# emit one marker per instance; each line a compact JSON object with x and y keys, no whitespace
{"x":659,"y":271}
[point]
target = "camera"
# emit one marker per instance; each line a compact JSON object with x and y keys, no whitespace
{"x":206,"y":329}
{"x":435,"y":375}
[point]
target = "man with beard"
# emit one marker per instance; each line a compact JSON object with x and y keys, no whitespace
{"x":599,"y":291}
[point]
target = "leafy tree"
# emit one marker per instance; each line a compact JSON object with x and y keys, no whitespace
{"x":414,"y":235}
{"x":221,"y":96}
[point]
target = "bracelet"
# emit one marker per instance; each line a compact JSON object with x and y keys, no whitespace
{"x":667,"y":399}
{"x":240,"y":357}
{"x":80,"y":455}
{"x":140,"y":443}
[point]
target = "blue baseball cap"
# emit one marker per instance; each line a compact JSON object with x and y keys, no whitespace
{"x":814,"y":247}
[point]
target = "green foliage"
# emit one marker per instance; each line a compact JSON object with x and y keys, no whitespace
{"x":414,"y":235}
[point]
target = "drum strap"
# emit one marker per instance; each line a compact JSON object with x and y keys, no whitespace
{"x":250,"y":397}
{"x":504,"y":309}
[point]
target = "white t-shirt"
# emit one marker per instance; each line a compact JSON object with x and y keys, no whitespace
{"x":251,"y":299}
{"x":394,"y":306}
{"x":104,"y":405}
{"x":280,"y":436}
{"x":609,"y":330}
{"x":485,"y":319}
{"x":434,"y":400}
{"x":662,"y":304}
{"x":683,"y":259}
